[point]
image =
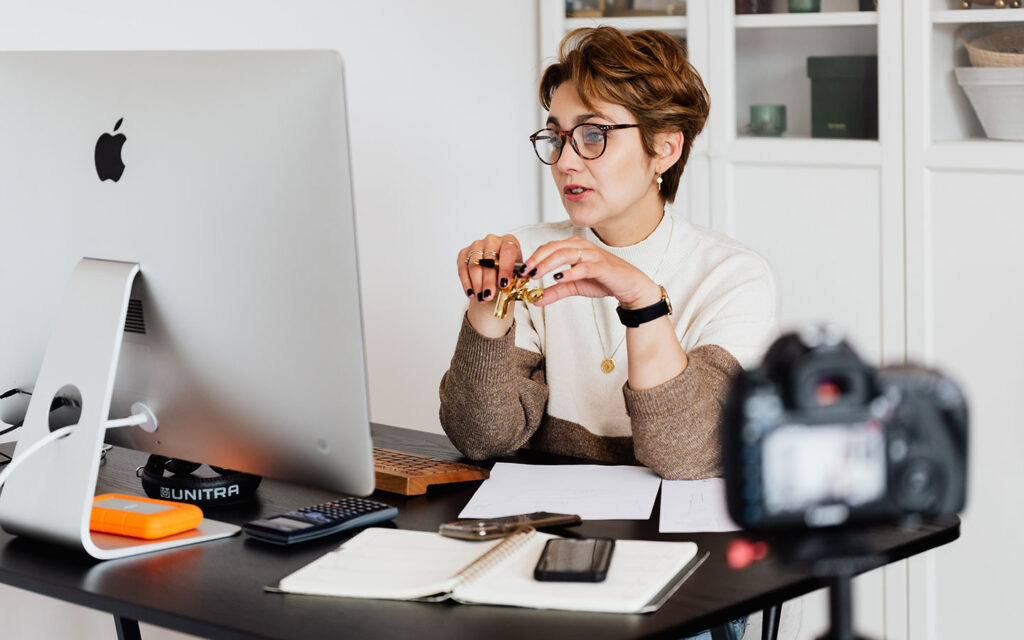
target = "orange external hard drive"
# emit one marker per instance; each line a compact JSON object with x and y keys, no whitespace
{"x":142,"y":517}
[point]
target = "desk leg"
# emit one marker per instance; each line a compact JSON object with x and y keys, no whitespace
{"x":770,"y":622}
{"x":127,"y":629}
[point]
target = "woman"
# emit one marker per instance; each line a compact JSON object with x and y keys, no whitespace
{"x":644,"y":317}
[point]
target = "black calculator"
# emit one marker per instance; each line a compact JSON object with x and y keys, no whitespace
{"x":319,"y":520}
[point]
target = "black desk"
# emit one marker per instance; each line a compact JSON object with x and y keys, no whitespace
{"x":214,"y":589}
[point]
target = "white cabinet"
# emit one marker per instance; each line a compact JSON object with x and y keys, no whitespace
{"x":911,"y":242}
{"x":965,"y":198}
{"x":800,"y":200}
{"x":790,"y":198}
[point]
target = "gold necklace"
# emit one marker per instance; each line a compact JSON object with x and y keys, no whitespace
{"x":608,"y":363}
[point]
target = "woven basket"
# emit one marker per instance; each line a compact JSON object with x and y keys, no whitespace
{"x":1000,"y":48}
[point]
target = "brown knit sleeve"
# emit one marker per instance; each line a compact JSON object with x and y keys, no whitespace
{"x":493,"y":395}
{"x":675,"y":425}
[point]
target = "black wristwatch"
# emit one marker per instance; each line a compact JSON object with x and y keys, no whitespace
{"x":636,"y":317}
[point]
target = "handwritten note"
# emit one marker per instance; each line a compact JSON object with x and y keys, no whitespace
{"x":594,"y":492}
{"x":692,"y":506}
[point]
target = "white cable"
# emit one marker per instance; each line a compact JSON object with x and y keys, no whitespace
{"x":130,"y":421}
{"x":34,"y":447}
{"x":136,"y":420}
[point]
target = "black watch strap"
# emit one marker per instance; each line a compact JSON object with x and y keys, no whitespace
{"x":635,"y":317}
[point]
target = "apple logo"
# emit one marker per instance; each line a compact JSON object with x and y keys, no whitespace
{"x":108,"y":155}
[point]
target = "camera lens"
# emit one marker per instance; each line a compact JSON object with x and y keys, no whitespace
{"x":828,"y":391}
{"x":920,"y":486}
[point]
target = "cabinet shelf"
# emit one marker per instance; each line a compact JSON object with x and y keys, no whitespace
{"x":822,"y":19}
{"x":816,"y":152}
{"x":771,"y":68}
{"x":630,"y":23}
{"x":974,"y":16}
{"x":980,"y":154}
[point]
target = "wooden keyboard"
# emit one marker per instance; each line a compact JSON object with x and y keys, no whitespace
{"x":409,"y":474}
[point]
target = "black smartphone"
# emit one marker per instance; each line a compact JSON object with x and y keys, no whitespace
{"x":575,"y":560}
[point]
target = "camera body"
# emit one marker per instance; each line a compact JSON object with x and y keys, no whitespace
{"x":816,"y":438}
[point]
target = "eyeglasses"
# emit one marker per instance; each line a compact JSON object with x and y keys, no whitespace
{"x":588,"y":140}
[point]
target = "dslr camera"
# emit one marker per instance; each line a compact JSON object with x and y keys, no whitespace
{"x":816,"y":438}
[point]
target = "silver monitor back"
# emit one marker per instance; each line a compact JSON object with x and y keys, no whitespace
{"x":244,"y":333}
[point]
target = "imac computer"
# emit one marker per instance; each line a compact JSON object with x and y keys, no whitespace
{"x":179,"y":255}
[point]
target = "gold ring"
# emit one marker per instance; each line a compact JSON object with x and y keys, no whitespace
{"x":491,"y":253}
{"x":579,"y":257}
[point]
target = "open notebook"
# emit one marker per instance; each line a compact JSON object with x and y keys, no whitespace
{"x":418,"y":565}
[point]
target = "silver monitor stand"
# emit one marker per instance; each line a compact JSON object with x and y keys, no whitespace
{"x":51,"y":495}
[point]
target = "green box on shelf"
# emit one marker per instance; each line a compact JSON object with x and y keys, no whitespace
{"x":844,"y":96}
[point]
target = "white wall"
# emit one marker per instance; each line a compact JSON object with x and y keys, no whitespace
{"x":441,"y":100}
{"x":416,"y":73}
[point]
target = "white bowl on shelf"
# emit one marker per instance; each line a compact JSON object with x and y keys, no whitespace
{"x":997,"y":95}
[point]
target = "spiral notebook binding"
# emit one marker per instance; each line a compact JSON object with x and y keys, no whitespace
{"x":512,"y":543}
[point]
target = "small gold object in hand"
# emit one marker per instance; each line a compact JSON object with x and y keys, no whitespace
{"x":516,"y":290}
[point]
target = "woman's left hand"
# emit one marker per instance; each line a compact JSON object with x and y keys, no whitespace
{"x":592,"y":273}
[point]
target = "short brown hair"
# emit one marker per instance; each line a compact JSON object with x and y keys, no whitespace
{"x":647,"y":73}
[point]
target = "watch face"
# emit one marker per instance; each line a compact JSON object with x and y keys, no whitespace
{"x":664,"y":296}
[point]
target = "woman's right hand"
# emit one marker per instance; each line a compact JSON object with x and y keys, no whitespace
{"x":481,"y":282}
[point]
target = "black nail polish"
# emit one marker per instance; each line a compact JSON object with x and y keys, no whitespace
{"x":504,"y":282}
{"x":522,"y":269}
{"x":480,"y":297}
{"x":469,"y":292}
{"x":487,"y":294}
{"x":558,"y":276}
{"x":533,"y":272}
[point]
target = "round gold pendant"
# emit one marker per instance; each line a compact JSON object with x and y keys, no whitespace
{"x":607,"y":365}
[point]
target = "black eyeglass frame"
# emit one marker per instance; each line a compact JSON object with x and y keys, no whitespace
{"x":604,"y":128}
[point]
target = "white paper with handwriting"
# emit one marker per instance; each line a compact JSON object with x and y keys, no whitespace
{"x":694,"y":506}
{"x":594,"y":492}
